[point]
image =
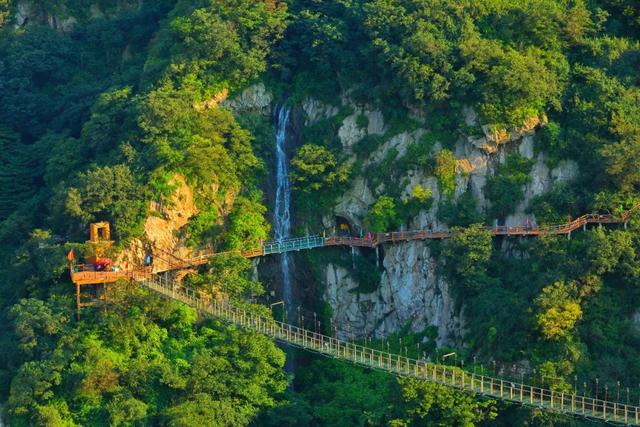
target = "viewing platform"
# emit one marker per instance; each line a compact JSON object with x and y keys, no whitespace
{"x":85,"y":274}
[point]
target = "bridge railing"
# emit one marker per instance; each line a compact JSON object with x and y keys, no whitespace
{"x":293,"y":244}
{"x":372,"y":240}
{"x":400,"y":365}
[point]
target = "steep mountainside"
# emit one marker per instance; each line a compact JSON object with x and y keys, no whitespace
{"x":160,"y":117}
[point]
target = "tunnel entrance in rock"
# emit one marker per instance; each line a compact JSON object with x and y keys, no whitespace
{"x":344,"y":227}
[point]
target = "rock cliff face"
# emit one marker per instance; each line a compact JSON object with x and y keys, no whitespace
{"x":412,"y":291}
{"x":255,"y":99}
{"x":64,"y":15}
{"x":28,"y":12}
{"x":164,"y":229}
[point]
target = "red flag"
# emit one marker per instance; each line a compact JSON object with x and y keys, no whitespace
{"x":70,"y":255}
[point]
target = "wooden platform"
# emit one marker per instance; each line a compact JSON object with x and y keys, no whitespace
{"x":85,"y":275}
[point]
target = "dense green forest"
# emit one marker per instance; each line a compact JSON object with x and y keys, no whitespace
{"x":97,"y":117}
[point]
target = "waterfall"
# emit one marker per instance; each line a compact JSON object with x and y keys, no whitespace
{"x":282,"y":214}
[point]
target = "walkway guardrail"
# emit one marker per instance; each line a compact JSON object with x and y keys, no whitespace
{"x":497,"y":388}
{"x":375,"y":239}
{"x":294,"y":244}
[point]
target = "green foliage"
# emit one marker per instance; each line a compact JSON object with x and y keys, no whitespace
{"x":36,"y":69}
{"x":366,"y":274}
{"x":294,"y":412}
{"x":4,"y":11}
{"x":421,"y":199}
{"x":35,"y":266}
{"x":620,"y":158}
{"x":550,"y":140}
{"x":613,"y":202}
{"x":111,"y":121}
{"x":229,"y":274}
{"x":339,"y":394}
{"x":607,"y":252}
{"x":461,"y":212}
{"x":445,"y":171}
{"x":421,"y":194}
{"x":569,"y":283}
{"x":247,"y":227}
{"x":383,"y":215}
{"x":262,"y":130}
{"x":466,"y":255}
{"x":207,"y":145}
{"x":95,"y":119}
{"x":204,"y":226}
{"x":419,"y":155}
{"x":215,"y":154}
{"x":430,"y":404}
{"x":218,"y":45}
{"x":558,"y":310}
{"x":163,"y":185}
{"x":142,"y":361}
{"x":605,"y":116}
{"x":367,"y":145}
{"x":316,"y":44}
{"x":108,"y":193}
{"x":314,"y":168}
{"x":555,"y":206}
{"x":429,"y":52}
{"x":18,"y":174}
{"x":93,"y":143}
{"x":609,"y":336}
{"x":37,"y":326}
{"x":55,"y":148}
{"x":382,"y":173}
{"x":515,"y":85}
{"x":505,"y":189}
{"x":415,"y":40}
{"x":318,"y":172}
{"x":362,"y":121}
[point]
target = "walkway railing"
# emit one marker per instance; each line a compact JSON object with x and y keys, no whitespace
{"x":373,"y":240}
{"x":85,"y":274}
{"x":399,"y":365}
{"x":294,"y":244}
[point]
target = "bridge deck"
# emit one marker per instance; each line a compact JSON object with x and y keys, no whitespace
{"x":497,"y":388}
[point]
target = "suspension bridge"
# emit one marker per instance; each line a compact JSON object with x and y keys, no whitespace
{"x":478,"y":384}
{"x":368,"y":357}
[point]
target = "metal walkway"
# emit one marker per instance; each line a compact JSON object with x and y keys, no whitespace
{"x":376,"y":239}
{"x":294,"y":244}
{"x":481,"y":385}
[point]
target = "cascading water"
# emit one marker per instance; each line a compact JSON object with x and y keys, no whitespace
{"x":282,"y":215}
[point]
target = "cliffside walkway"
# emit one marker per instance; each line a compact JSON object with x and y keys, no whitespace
{"x":170,"y":262}
{"x":523,"y":394}
{"x":317,"y":241}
